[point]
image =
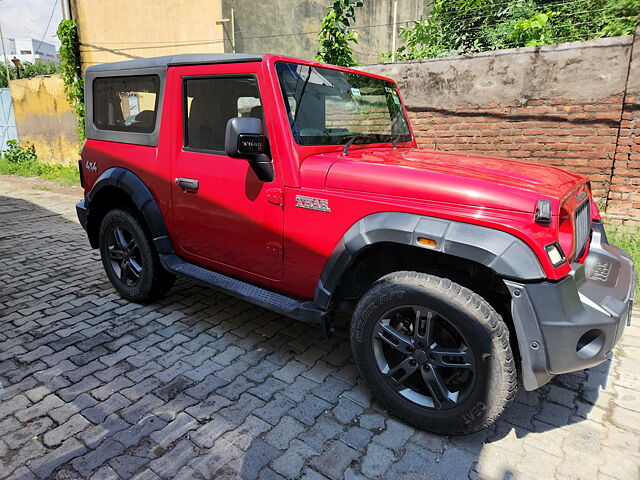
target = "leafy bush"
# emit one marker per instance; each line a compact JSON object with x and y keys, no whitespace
{"x":336,"y":34}
{"x":20,"y":155}
{"x":27,"y":70}
{"x":469,"y":26}
{"x":22,"y":160}
{"x":627,"y":239}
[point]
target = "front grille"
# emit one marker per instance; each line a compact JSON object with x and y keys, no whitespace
{"x":582,"y":225}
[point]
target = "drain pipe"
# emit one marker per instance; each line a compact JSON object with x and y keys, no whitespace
{"x":66,"y":10}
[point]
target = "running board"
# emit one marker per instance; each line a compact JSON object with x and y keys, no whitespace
{"x":287,"y":306}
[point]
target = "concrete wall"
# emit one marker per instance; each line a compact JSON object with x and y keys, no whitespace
{"x":122,"y":29}
{"x":116,"y":30}
{"x":560,"y":105}
{"x":45,"y":118}
{"x":291,"y":27}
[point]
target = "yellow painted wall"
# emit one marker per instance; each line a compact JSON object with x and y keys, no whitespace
{"x":45,"y":118}
{"x":117,"y":30}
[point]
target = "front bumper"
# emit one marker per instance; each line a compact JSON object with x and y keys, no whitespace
{"x":574,"y":323}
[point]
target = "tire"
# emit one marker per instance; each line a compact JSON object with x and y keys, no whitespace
{"x":130,"y":259}
{"x":436,"y":354}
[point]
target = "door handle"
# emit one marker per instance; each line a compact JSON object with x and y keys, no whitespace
{"x":188,"y":184}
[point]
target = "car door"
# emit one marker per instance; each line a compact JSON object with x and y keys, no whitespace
{"x":223,"y":215}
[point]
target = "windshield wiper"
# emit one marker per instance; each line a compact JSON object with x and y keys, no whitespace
{"x":345,"y":150}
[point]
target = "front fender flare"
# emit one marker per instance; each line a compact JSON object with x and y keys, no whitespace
{"x":500,"y":251}
{"x":141,"y":197}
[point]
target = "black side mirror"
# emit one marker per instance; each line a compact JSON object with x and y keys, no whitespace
{"x":244,"y":139}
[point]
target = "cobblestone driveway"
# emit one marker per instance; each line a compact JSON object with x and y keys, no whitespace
{"x":201,"y":385}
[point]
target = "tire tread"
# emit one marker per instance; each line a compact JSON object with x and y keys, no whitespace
{"x":485,"y":313}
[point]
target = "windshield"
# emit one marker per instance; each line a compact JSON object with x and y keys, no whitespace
{"x":329,"y":107}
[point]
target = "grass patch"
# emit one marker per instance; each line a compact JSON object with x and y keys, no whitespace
{"x":628,"y":239}
{"x":23,"y":161}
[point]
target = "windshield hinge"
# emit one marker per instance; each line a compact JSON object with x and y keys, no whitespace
{"x":275,"y":196}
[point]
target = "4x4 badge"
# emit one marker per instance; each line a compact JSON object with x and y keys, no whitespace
{"x":91,"y":166}
{"x":320,"y":204}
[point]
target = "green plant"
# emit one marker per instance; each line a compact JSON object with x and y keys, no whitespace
{"x":18,"y":154}
{"x":22,"y":160}
{"x":71,"y":72}
{"x":532,"y":31}
{"x":336,"y":34}
{"x":628,"y":239}
{"x":469,"y":26}
{"x":28,"y":70}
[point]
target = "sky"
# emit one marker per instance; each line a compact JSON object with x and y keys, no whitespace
{"x":29,"y":18}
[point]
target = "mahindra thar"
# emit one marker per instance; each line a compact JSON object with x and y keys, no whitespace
{"x":298,"y":186}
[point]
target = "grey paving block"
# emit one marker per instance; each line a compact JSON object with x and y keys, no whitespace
{"x":250,"y":429}
{"x":43,"y":466}
{"x":290,"y":464}
{"x":286,"y":430}
{"x":335,"y":460}
{"x":310,"y":409}
{"x":70,"y":428}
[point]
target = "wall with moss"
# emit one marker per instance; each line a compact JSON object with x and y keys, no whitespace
{"x":45,"y":118}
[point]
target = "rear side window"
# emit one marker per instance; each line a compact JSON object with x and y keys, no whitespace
{"x":209,"y":103}
{"x":126,"y":104}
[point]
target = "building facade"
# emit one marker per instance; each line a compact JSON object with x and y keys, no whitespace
{"x":30,"y":50}
{"x":122,"y":30}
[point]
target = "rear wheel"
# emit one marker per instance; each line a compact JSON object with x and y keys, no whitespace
{"x":130,"y":259}
{"x":435,"y":353}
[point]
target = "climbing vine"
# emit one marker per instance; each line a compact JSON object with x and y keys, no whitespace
{"x":336,"y":34}
{"x":468,"y":26}
{"x":71,"y":71}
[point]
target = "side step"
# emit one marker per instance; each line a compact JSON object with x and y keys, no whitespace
{"x":287,"y":306}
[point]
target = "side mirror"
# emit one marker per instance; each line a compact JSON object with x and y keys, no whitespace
{"x":244,"y":139}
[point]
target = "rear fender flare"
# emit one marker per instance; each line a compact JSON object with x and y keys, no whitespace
{"x":141,"y":197}
{"x":500,"y":251}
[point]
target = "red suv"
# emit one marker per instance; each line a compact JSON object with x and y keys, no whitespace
{"x":298,"y":186}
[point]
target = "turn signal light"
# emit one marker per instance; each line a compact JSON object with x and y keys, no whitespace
{"x":427,"y":242}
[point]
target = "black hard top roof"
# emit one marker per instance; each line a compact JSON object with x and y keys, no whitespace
{"x":172,"y":60}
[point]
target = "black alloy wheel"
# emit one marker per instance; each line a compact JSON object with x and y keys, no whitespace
{"x":130,"y":258}
{"x":125,"y":256}
{"x":435,"y":353}
{"x":424,"y":357}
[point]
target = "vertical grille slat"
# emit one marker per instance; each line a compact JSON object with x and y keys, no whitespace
{"x":582,"y":222}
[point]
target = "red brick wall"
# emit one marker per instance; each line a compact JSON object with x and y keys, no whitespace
{"x":624,"y":194}
{"x":578,"y":135}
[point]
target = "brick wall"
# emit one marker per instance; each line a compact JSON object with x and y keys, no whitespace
{"x":574,"y":105}
{"x":624,"y":195}
{"x":563,"y":133}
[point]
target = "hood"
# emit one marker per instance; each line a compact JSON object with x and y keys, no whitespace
{"x":452,"y":178}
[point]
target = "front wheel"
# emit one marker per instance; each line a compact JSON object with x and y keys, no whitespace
{"x":130,"y":259}
{"x":434,"y":353}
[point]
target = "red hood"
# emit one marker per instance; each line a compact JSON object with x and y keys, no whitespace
{"x":451,"y":177}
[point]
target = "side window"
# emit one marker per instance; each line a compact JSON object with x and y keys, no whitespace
{"x":126,"y":104}
{"x":209,"y":103}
